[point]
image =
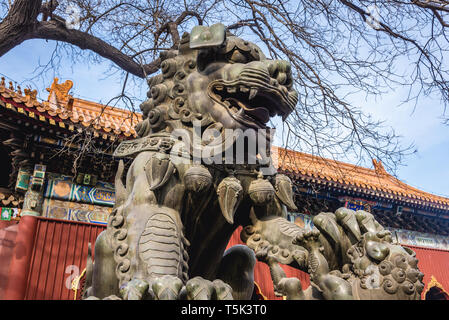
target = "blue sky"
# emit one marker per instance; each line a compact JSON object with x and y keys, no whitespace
{"x":428,"y":169}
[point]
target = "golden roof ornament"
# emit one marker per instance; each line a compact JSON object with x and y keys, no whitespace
{"x":30,"y":94}
{"x":61,"y":90}
{"x":379,"y":168}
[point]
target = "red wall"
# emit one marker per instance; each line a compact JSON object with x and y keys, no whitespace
{"x":59,"y":255}
{"x":8,"y":237}
{"x":435,"y":263}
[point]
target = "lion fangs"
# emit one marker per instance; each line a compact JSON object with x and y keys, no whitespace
{"x":252,"y":93}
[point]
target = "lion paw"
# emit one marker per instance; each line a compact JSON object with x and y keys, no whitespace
{"x":202,"y":289}
{"x":263,"y":252}
{"x":223,"y":291}
{"x":199,"y":289}
{"x":166,"y":288}
{"x":309,"y":240}
{"x":136,"y":289}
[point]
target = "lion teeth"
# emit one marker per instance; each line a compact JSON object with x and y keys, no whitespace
{"x":231,"y":89}
{"x":244,"y":89}
{"x":252,"y":94}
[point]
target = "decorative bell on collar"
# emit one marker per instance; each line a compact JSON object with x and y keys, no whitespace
{"x":261,"y":191}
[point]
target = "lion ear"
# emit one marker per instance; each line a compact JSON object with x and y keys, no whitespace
{"x":205,"y":37}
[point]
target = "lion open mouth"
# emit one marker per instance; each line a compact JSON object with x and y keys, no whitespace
{"x":251,"y":105}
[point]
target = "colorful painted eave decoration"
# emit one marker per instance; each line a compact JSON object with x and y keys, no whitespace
{"x":23,"y":180}
{"x":8,"y":214}
{"x":66,"y":210}
{"x":61,"y":189}
{"x":419,"y":239}
{"x":357,"y":204}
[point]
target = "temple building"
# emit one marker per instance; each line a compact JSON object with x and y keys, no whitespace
{"x":56,"y":192}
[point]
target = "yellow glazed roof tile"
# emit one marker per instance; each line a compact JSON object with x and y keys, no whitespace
{"x":346,"y":174}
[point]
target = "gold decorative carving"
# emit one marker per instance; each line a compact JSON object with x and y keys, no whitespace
{"x":31,"y":94}
{"x":60,"y":89}
{"x":434,"y":283}
{"x":379,"y":168}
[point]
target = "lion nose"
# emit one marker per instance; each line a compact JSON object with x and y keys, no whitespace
{"x":281,"y":71}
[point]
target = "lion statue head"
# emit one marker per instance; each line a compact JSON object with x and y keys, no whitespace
{"x":218,"y":80}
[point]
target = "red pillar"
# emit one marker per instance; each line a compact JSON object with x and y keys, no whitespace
{"x":20,"y":263}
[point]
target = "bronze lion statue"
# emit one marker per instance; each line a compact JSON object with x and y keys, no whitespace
{"x":202,"y":167}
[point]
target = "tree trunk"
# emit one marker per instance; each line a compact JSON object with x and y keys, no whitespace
{"x":18,"y":23}
{"x":21,"y":24}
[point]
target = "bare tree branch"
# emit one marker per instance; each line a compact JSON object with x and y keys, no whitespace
{"x":333,"y":49}
{"x":53,"y":30}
